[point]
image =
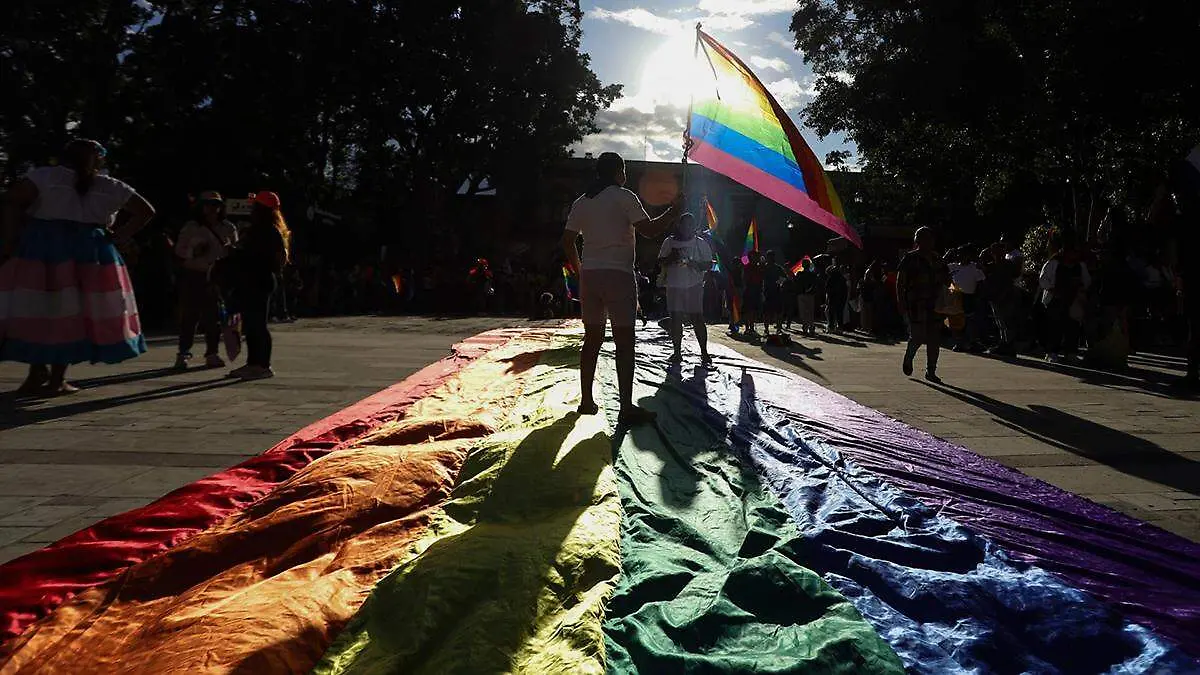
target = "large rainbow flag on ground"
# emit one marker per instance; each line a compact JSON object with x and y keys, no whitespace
{"x":738,"y":129}
{"x":467,"y":520}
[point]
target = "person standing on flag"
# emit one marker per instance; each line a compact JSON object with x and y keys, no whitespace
{"x":686,"y":257}
{"x":609,"y":218}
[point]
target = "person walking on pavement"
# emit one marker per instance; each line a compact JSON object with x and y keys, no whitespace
{"x":65,"y":294}
{"x":201,"y":243}
{"x":920,"y":279}
{"x":609,"y":218}
{"x":685,"y":259}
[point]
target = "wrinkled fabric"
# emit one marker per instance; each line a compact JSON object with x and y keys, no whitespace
{"x":267,"y":589}
{"x":944,"y":598}
{"x":764,"y":525}
{"x":525,"y":556}
{"x":34,"y":584}
{"x":710,"y":578}
{"x":1148,"y":574}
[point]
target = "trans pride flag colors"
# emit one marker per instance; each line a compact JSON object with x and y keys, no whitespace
{"x":468,"y":520}
{"x":739,"y":130}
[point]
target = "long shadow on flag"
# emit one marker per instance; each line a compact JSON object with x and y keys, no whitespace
{"x":474,"y":598}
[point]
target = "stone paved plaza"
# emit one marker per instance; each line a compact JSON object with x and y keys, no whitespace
{"x":140,"y":430}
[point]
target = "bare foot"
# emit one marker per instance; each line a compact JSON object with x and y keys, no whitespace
{"x":636,"y":415}
{"x":588,"y":408}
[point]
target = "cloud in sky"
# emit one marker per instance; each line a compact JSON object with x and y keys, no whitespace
{"x":763,"y":63}
{"x":639,"y":134}
{"x":662,"y":25}
{"x":641,"y":18}
{"x":791,"y":93}
{"x":748,"y":7}
{"x":781,"y":40}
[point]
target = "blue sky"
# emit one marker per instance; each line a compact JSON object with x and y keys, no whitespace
{"x":645,"y":45}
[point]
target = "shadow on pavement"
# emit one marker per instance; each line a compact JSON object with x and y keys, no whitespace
{"x":123,"y":378}
{"x":1117,"y":449}
{"x":1149,"y":382}
{"x":13,"y":414}
{"x":797,"y":355}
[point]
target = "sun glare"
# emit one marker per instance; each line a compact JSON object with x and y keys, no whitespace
{"x":670,"y":74}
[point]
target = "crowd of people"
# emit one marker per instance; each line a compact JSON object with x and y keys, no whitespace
{"x":68,"y":295}
{"x":1105,"y":300}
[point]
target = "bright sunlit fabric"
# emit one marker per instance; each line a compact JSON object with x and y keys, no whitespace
{"x":739,"y":130}
{"x":764,"y":524}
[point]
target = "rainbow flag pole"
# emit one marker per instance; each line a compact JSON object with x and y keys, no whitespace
{"x":739,"y":130}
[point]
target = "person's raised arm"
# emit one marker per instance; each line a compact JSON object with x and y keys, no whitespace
{"x":140,"y":213}
{"x":652,"y":227}
{"x":20,"y":197}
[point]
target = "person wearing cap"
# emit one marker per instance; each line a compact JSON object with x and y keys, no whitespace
{"x":250,"y":276}
{"x":65,"y":295}
{"x":685,"y":258}
{"x":201,"y":243}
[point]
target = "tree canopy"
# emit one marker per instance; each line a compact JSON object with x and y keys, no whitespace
{"x":384,"y":103}
{"x":1001,"y":115}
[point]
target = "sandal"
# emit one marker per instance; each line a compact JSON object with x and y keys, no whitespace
{"x":588,"y":409}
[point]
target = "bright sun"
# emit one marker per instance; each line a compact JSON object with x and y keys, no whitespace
{"x":670,"y":73}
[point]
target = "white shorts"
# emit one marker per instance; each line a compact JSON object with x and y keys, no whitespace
{"x":686,"y":300}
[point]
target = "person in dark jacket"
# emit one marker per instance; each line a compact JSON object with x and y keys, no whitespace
{"x":251,"y":274}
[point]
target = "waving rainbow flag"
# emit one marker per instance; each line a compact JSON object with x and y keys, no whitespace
{"x":739,"y":130}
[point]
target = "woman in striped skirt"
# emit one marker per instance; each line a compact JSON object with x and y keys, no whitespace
{"x":65,"y":295}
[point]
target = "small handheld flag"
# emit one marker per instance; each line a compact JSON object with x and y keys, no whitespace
{"x":751,"y":241}
{"x":571,"y":284}
{"x":710,"y":215}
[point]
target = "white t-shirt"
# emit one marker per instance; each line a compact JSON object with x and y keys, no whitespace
{"x":201,"y":246}
{"x":681,"y":275}
{"x":58,"y":200}
{"x":967,"y":278}
{"x":606,"y":223}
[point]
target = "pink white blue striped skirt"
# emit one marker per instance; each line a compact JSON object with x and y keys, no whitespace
{"x":66,"y":298}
